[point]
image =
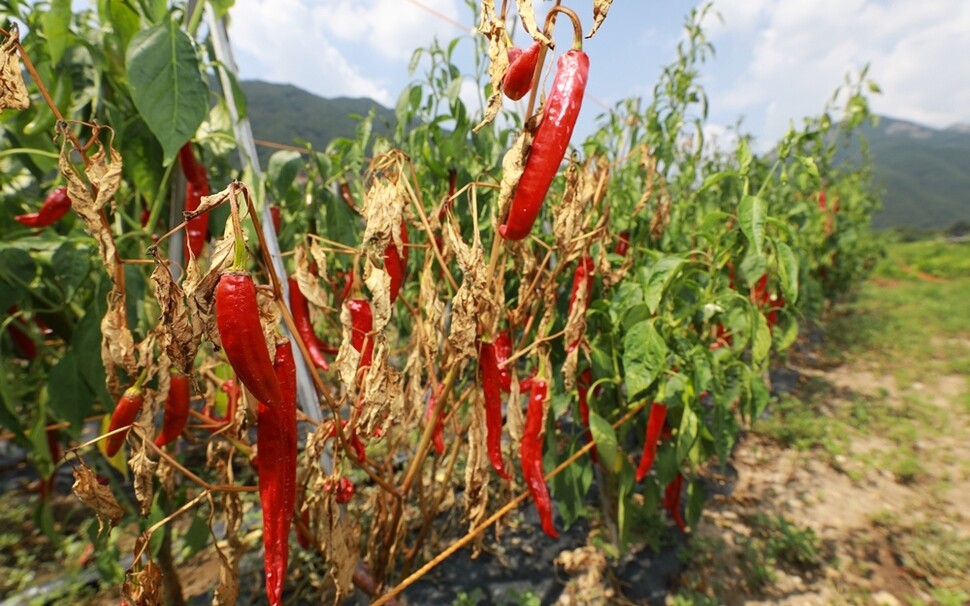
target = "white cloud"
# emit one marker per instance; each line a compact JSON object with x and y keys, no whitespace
{"x":392,"y":28}
{"x":801,"y":50}
{"x":273,"y":43}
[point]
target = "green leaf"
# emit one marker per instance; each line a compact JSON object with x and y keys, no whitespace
{"x":751,"y":217}
{"x":787,"y":271}
{"x":57,"y":23}
{"x":687,"y":433}
{"x":606,"y":444}
{"x":71,"y":267}
{"x":70,"y":396}
{"x":695,"y":502}
{"x":657,"y":278}
{"x":761,"y":339}
{"x":569,"y":489}
{"x":40,"y":454}
{"x":281,"y":173}
{"x":9,"y":415}
{"x":167,"y":85}
{"x":725,"y":430}
{"x":17,"y":271}
{"x":124,"y":21}
{"x":644,"y":357}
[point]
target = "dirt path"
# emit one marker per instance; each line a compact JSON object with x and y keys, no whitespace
{"x":855,"y":494}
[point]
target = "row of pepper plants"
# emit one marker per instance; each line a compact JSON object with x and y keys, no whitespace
{"x":493,"y":311}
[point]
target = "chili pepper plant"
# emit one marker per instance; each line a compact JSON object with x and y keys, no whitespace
{"x":490,"y":314}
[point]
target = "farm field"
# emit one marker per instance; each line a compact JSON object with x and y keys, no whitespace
{"x":850,"y":490}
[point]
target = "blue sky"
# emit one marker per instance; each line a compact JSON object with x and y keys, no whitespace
{"x":776,"y":60}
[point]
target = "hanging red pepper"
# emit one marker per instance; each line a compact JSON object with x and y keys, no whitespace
{"x":362,"y":323}
{"x":55,"y":206}
{"x":395,"y":263}
{"x":276,"y":445}
{"x":125,"y":413}
{"x":196,"y":186}
{"x":300,"y":308}
{"x":522,"y":66}
{"x":623,"y":245}
{"x":530,"y":455}
{"x":821,"y":200}
{"x":438,"y":435}
{"x":552,"y":137}
{"x":671,"y":501}
{"x":583,"y":384}
{"x":237,"y":318}
{"x":25,"y":345}
{"x":176,"y":408}
{"x":582,"y":278}
{"x":759,"y":293}
{"x":655,"y":425}
{"x":274,"y":213}
{"x":492,"y":390}
{"x":503,"y":351}
{"x":353,"y":439}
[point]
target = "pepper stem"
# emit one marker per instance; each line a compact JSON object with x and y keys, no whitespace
{"x":577,"y":26}
{"x":239,"y":243}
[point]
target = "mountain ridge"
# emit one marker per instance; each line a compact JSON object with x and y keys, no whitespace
{"x":922,"y":173}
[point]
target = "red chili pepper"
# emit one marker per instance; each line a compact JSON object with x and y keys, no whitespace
{"x":549,"y":145}
{"x":348,"y":278}
{"x":362,"y":323}
{"x":345,"y":490}
{"x":276,"y":444}
{"x":192,"y":169}
{"x":582,"y":278}
{"x":623,"y":245}
{"x":583,"y":384}
{"x":176,"y":408}
{"x":125,"y":413}
{"x":655,"y":425}
{"x":438,"y":435}
{"x":300,"y":308}
{"x":237,"y":318}
{"x":274,"y":213}
{"x":197,"y":185}
{"x":522,"y":67}
{"x":56,"y":205}
{"x":395,"y":263}
{"x":530,"y":456}
{"x":354,"y":440}
{"x":582,"y":275}
{"x":671,"y":501}
{"x":503,"y":351}
{"x":821,"y":200}
{"x":759,"y":294}
{"x":722,"y":338}
{"x":775,"y":303}
{"x":197,"y":229}
{"x":233,"y":392}
{"x":491,"y":379}
{"x":24,"y":344}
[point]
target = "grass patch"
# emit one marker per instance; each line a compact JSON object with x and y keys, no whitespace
{"x":935,"y":553}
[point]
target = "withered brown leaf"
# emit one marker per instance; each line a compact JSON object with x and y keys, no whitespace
{"x":97,"y":496}
{"x":13,"y":91}
{"x":600,"y":8}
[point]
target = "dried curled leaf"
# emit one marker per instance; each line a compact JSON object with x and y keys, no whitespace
{"x":97,"y":496}
{"x":383,"y":212}
{"x":144,"y":471}
{"x":178,"y":336}
{"x":383,"y":392}
{"x":571,"y":212}
{"x":472,"y":300}
{"x":493,"y":28}
{"x":308,"y":280}
{"x":13,"y":91}
{"x":513,"y":165}
{"x":600,"y":8}
{"x":528,"y":17}
{"x":144,"y":586}
{"x":477,"y":470}
{"x":230,"y":551}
